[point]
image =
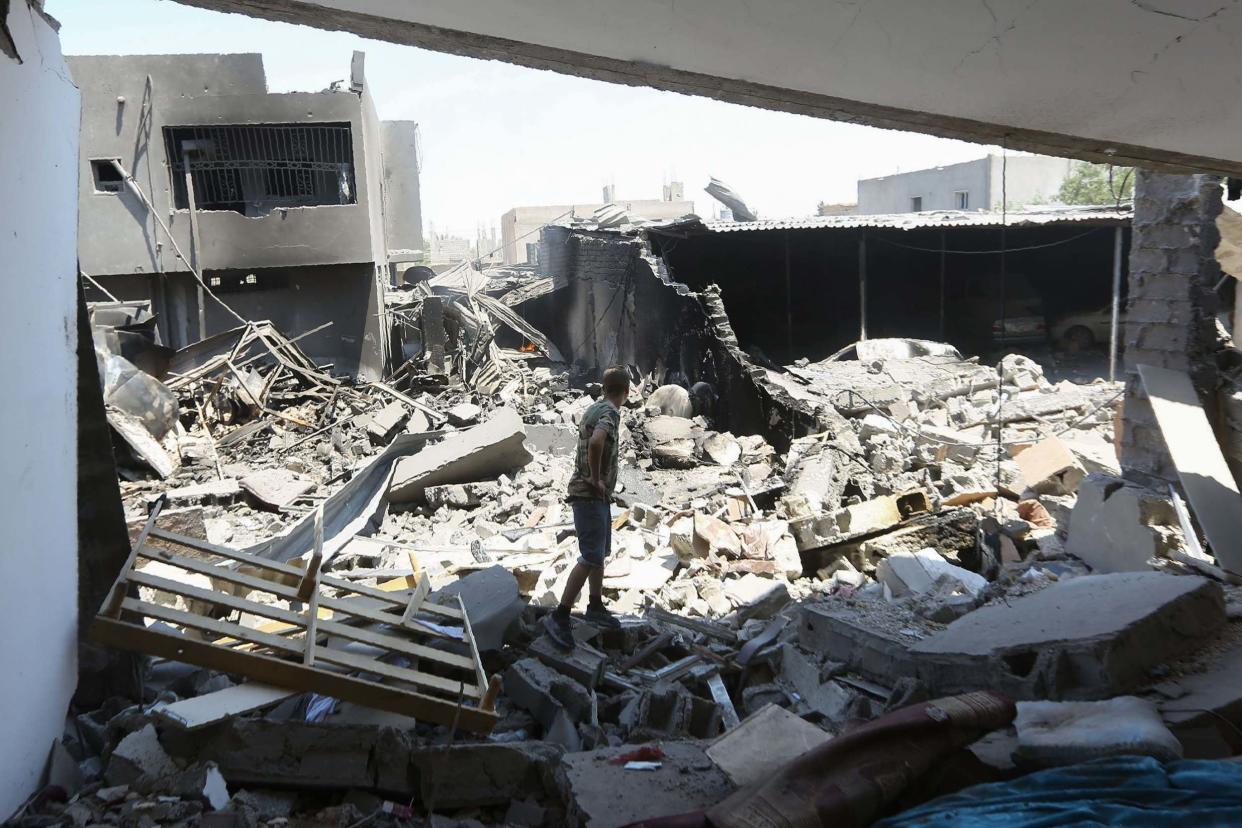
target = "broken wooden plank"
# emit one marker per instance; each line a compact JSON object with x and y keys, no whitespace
{"x":271,"y":670}
{"x":1209,"y":485}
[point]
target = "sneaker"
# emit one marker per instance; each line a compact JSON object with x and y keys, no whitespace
{"x":561,"y":632}
{"x":599,"y":615}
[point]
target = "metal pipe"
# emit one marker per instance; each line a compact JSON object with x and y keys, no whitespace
{"x":1116,"y":321}
{"x":942,"y":262}
{"x":196,"y":247}
{"x":862,"y":286}
{"x":788,"y":305}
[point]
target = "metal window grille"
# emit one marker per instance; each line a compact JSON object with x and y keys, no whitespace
{"x":253,"y":169}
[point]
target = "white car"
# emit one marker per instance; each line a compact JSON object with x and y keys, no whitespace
{"x":1079,"y":331}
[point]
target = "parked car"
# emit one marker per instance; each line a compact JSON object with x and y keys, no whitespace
{"x":1017,"y":329}
{"x":1079,"y":331}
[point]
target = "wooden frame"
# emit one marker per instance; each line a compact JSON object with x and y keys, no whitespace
{"x":302,"y":649}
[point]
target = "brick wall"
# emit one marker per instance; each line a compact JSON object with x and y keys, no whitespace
{"x":1170,"y":311}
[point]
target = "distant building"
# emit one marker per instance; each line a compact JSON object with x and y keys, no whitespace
{"x":449,"y":250}
{"x":519,"y":227}
{"x":297,"y":197}
{"x":826,"y":209}
{"x":972,"y":185}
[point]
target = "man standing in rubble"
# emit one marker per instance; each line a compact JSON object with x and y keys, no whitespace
{"x":590,"y":491}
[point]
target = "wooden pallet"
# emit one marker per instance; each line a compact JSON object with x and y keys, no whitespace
{"x":445,"y":684}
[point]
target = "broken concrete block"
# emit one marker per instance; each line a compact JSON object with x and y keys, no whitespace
{"x":907,"y":573}
{"x":874,"y":424}
{"x":276,"y":488}
{"x":714,"y":536}
{"x":187,"y":521}
{"x":381,"y":424}
{"x":1089,"y":637}
{"x":603,"y":795}
{"x":201,"y":782}
{"x":484,"y":452}
{"x":1209,"y":704}
{"x":762,"y":743}
{"x":1110,"y":527}
{"x":492,"y":603}
{"x":464,"y":414}
{"x":857,"y":520}
{"x":805,"y":675}
{"x":541,"y":690}
{"x":452,"y":777}
{"x":756,"y":597}
{"x":212,"y":492}
{"x":140,"y":753}
{"x":461,"y":495}
{"x":1048,"y":467}
{"x":584,"y":664}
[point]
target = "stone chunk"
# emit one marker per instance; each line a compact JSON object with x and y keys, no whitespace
{"x":483,"y":452}
{"x":555,"y":700}
{"x":461,"y":495}
{"x":1048,"y":467}
{"x":603,"y":795}
{"x":763,"y":743}
{"x":140,"y":753}
{"x":756,"y":597}
{"x":485,"y":775}
{"x":464,"y":414}
{"x":906,"y":573}
{"x":381,"y":424}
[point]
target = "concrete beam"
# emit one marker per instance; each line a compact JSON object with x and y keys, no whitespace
{"x":1100,"y":81}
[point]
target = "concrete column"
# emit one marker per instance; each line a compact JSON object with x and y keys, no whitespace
{"x":1170,"y":310}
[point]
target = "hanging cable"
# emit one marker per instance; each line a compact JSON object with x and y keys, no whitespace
{"x":1004,"y":275}
{"x":989,"y":252}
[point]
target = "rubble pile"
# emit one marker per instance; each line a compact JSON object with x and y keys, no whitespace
{"x":949,"y":527}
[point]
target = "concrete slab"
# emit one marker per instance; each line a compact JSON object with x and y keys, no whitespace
{"x":381,"y":424}
{"x":603,"y":795}
{"x":763,"y":743}
{"x":483,"y":452}
{"x":1090,"y":637}
{"x":276,"y":488}
{"x":1212,"y":703}
{"x":1049,"y":467}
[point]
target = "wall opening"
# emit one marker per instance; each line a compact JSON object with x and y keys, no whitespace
{"x":254,"y":169}
{"x":106,"y":177}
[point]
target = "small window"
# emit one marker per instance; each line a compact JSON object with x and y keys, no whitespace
{"x":916,"y":204}
{"x":961,"y":200}
{"x":106,"y":176}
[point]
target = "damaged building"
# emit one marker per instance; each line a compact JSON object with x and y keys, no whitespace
{"x":269,"y":583}
{"x":287,"y":204}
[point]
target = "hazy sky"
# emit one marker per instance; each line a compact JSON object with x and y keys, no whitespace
{"x":497,"y":136}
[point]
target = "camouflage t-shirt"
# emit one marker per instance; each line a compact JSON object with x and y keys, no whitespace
{"x":601,"y":414}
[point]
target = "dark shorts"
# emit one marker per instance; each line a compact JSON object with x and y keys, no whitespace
{"x":593,"y":522}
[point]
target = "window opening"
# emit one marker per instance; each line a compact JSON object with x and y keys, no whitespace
{"x":254,"y":169}
{"x":916,"y":204}
{"x":961,"y":199}
{"x":106,"y":176}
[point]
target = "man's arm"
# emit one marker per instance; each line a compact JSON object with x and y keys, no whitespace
{"x":595,"y":457}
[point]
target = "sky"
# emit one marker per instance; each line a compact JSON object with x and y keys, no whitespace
{"x":497,"y":136}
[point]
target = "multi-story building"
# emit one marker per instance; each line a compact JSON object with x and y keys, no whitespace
{"x":971,"y":185}
{"x":287,"y":203}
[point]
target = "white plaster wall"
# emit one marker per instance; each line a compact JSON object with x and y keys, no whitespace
{"x":38,"y":421}
{"x":1157,"y":74}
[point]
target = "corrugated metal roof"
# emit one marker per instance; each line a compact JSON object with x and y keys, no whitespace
{"x":930,"y":219}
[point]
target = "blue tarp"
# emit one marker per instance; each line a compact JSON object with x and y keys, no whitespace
{"x":1121,"y":792}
